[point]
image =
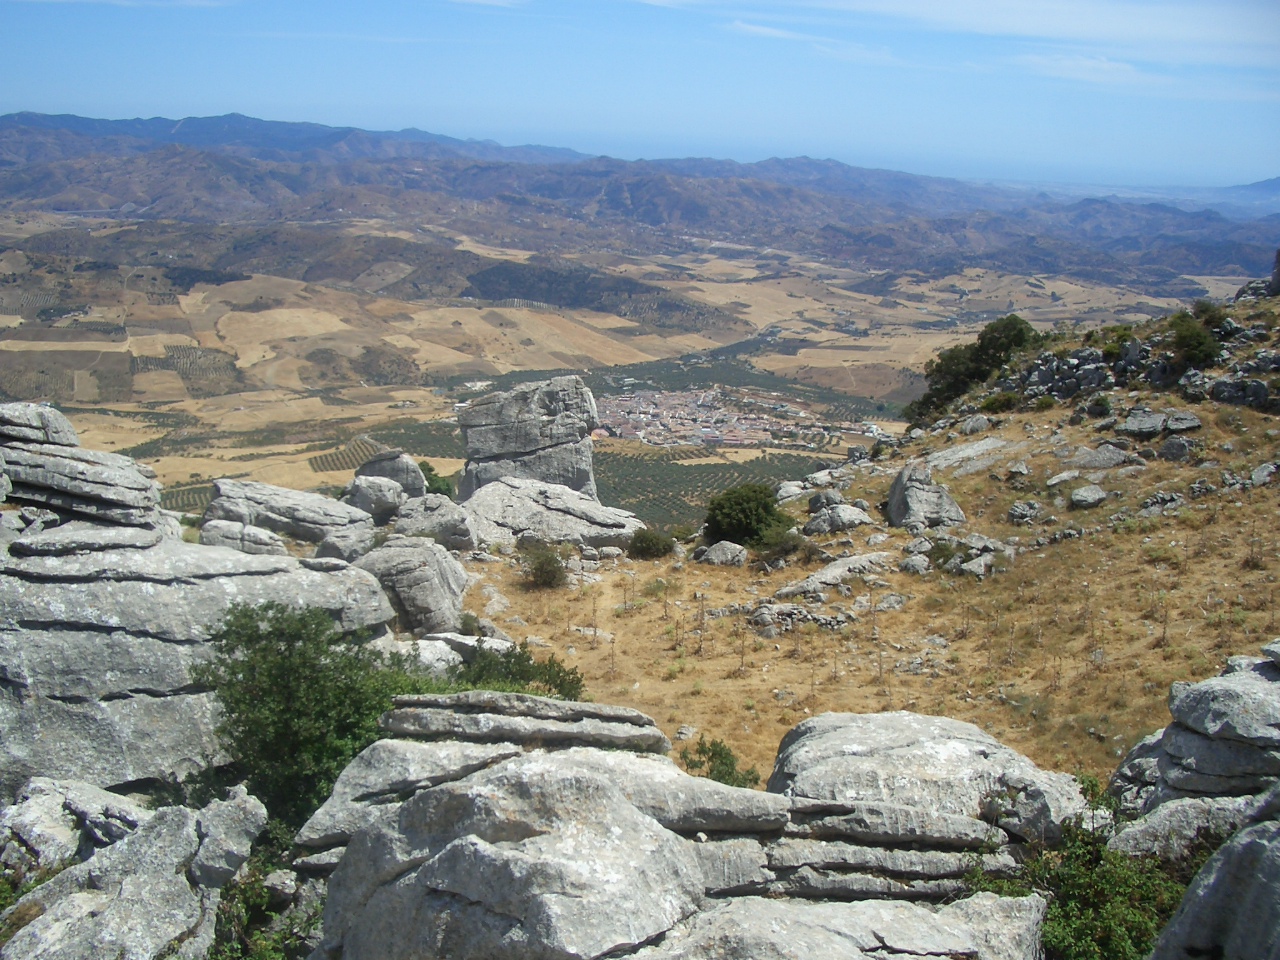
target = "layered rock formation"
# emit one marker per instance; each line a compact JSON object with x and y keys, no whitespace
{"x":423,"y":581}
{"x":302,"y":516}
{"x":537,"y":431}
{"x":509,"y":510}
{"x":916,"y":502}
{"x":497,"y":826}
{"x":398,"y":466}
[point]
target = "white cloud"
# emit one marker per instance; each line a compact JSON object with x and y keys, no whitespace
{"x":1086,"y":68}
{"x":839,"y":49}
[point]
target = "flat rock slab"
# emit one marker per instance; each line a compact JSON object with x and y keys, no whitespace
{"x":511,"y":509}
{"x":525,"y":705}
{"x":101,"y":486}
{"x":791,"y":854}
{"x":79,"y":536}
{"x":303,"y":516}
{"x":385,"y":774}
{"x":921,"y":763}
{"x":1238,"y":706}
{"x":962,"y":453}
{"x":35,"y":423}
{"x":895,"y":824}
{"x":427,"y":724}
{"x":836,"y":573}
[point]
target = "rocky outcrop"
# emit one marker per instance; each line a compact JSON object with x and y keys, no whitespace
{"x":44,"y":464}
{"x":424,"y":582}
{"x":1224,"y":741}
{"x":724,"y":553}
{"x":1231,"y":909}
{"x":152,"y":894}
{"x":916,"y":502}
{"x":398,"y":466}
{"x":242,"y":537}
{"x":377,"y":496}
{"x":53,"y":822}
{"x":99,"y":629}
{"x":537,"y":431}
{"x":836,"y":573}
{"x":436,"y":516}
{"x":510,"y":510}
{"x":511,"y":833}
{"x":836,"y":519}
{"x":302,"y":516}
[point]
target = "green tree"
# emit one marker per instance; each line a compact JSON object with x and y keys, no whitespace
{"x":543,"y":566}
{"x":435,"y":482}
{"x":742,"y":514}
{"x":1193,"y":344}
{"x":648,"y":544}
{"x":299,"y":701}
{"x":719,"y":762}
{"x":956,"y":369}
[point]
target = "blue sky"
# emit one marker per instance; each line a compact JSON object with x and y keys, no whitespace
{"x":1142,"y":92}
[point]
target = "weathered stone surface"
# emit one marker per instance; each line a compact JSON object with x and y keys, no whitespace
{"x":1171,"y":830}
{"x":96,"y":649}
{"x":1085,"y":498}
{"x":1143,"y":424}
{"x":1004,"y":928}
{"x":1238,"y":706}
{"x":425,"y":723}
{"x":53,"y":822}
{"x":379,"y":497}
{"x":142,"y":897}
{"x":725,"y":553}
{"x":836,"y":520}
{"x":436,"y":516}
{"x":80,"y":536}
{"x":733,"y":866}
{"x":398,"y":466}
{"x":508,"y":510}
{"x":348,"y":544}
{"x":936,"y":764}
{"x":36,"y":423}
{"x":917,"y":563}
{"x":916,"y":502}
{"x":963,"y":456}
{"x":1218,"y":756}
{"x":425,"y":583}
{"x":837,"y":572}
{"x":388,"y":772}
{"x":790,"y":854}
{"x":823,"y":499}
{"x":1103,"y":458}
{"x":1232,"y":907}
{"x":242,"y":537}
{"x":303,"y":516}
{"x":887,"y":823}
{"x":537,"y":431}
{"x":1182,"y":421}
{"x":975,"y":424}
{"x":433,"y":656}
{"x":1176,"y":449}
{"x":531,"y":858}
{"x":101,"y":486}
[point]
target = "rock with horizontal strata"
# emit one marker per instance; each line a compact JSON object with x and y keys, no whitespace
{"x":242,"y":537}
{"x":424,"y":582}
{"x":510,"y":510}
{"x":436,"y":516}
{"x":36,"y":423}
{"x":105,"y":487}
{"x":302,"y":516}
{"x":537,"y":431}
{"x":398,"y":466}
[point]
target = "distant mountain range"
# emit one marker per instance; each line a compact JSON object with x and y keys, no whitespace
{"x":237,"y":168}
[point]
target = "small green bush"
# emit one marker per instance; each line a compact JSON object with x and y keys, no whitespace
{"x":435,"y":482}
{"x":1210,"y":314}
{"x":719,"y":761}
{"x":1045,"y":402}
{"x":1001,"y":402}
{"x":517,"y":670}
{"x":649,"y":544}
{"x":543,"y":567}
{"x":1193,"y":344}
{"x":469,"y":625}
{"x":742,"y":514}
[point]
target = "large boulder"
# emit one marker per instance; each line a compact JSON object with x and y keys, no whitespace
{"x":423,"y":580}
{"x":436,"y":516}
{"x":153,"y":894}
{"x":54,"y":822}
{"x":916,"y":502}
{"x":836,"y":519}
{"x":43,"y":464}
{"x":303,"y":516}
{"x":379,"y":497}
{"x":947,"y":767}
{"x":1231,"y":910}
{"x":398,"y":466}
{"x":537,"y":431}
{"x":510,"y":510}
{"x":242,"y":537}
{"x":99,"y":629}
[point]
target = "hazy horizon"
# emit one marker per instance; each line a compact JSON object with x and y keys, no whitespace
{"x":1131,"y":93}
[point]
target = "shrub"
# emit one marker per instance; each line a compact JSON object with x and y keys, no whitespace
{"x":469,"y":626}
{"x":781,"y":540}
{"x":648,"y":544}
{"x":517,"y":670}
{"x":543,"y":567}
{"x":956,"y":369}
{"x":719,"y":761}
{"x":299,"y":701}
{"x":742,"y":514}
{"x":1000,"y":402}
{"x":1193,"y":344}
{"x":1210,"y":314}
{"x":1045,"y":402}
{"x":435,"y":482}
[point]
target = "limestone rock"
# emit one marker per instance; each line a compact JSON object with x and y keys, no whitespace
{"x":105,"y":487}
{"x":508,"y":510}
{"x":227,"y":829}
{"x":725,"y":553}
{"x":239,"y":536}
{"x":823,"y":499}
{"x":36,"y":423}
{"x":80,"y":536}
{"x":55,"y":821}
{"x":917,"y":563}
{"x":348,"y":544}
{"x":424,"y":581}
{"x":436,"y":516}
{"x":303,"y":516}
{"x":1171,"y":830}
{"x":835,"y":573}
{"x":379,"y":497}
{"x":836,"y":519}
{"x":386,"y":773}
{"x":1240,"y":706}
{"x":1232,"y":907}
{"x":937,"y":764}
{"x":1143,"y":424}
{"x":916,"y":502}
{"x":398,"y":466}
{"x":520,"y":860}
{"x":537,"y":431}
{"x":1085,"y":498}
{"x":975,"y":424}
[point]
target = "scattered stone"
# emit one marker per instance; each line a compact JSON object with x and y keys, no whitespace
{"x":836,"y":573}
{"x":1065,"y":477}
{"x":1143,"y":424}
{"x":1024,"y":512}
{"x":1086,"y":498}
{"x":1182,"y":421}
{"x":725,"y":553}
{"x":917,"y":564}
{"x":1176,"y":449}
